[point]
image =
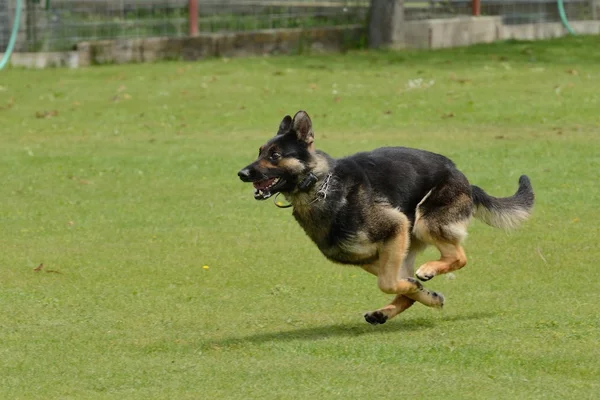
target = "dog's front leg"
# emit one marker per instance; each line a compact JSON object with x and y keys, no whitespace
{"x":398,"y":305}
{"x":394,"y":276}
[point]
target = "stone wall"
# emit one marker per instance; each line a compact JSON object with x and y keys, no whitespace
{"x":283,"y":41}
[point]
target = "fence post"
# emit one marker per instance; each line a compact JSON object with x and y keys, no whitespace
{"x":193,"y":17}
{"x":386,"y":23}
{"x":476,"y":5}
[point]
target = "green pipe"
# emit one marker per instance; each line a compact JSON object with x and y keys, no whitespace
{"x":563,"y":17}
{"x":13,"y":36}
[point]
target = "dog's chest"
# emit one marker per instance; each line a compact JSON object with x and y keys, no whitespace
{"x":341,"y":242}
{"x":354,"y":249}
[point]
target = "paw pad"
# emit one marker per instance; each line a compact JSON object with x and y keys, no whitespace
{"x":376,"y":318}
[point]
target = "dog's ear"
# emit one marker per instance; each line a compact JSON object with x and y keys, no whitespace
{"x":303,"y":128}
{"x":285,"y":125}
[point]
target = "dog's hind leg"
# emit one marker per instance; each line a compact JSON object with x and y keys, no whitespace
{"x":394,"y":276}
{"x":441,"y":219}
{"x":452,"y":258}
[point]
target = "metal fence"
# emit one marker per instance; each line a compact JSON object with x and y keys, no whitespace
{"x":60,"y":24}
{"x":52,"y":25}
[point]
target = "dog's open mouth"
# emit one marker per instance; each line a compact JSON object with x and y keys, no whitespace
{"x":267,"y":188}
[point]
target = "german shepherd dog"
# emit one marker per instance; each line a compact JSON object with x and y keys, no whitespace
{"x":379,"y":209}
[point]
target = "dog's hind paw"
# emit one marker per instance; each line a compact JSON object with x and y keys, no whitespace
{"x":424,"y":275}
{"x":375,"y":318}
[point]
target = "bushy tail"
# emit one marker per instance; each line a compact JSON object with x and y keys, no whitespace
{"x":504,"y":212}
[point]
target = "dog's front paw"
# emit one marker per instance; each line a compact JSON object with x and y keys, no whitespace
{"x":376,"y":318}
{"x":440,"y":300}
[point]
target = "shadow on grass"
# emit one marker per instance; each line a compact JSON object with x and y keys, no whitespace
{"x":344,"y":330}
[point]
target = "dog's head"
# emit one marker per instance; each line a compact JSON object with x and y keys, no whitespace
{"x":282,"y":162}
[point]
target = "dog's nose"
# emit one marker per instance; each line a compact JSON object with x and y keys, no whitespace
{"x":244,"y":174}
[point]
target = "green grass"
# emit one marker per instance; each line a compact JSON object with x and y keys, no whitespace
{"x":126,"y":187}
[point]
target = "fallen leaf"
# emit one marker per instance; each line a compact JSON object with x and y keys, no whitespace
{"x":459,"y":80}
{"x":337,"y":99}
{"x":46,"y":114}
{"x":448,"y":115}
{"x":11,"y":102}
{"x":500,"y":137}
{"x":572,"y":72}
{"x":387,"y":112}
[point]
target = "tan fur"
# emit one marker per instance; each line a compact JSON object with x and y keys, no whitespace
{"x":318,"y":165}
{"x":264,"y":164}
{"x":506,"y":220}
{"x":452,"y":258}
{"x":361,"y":245}
{"x":401,"y":302}
{"x":293,"y":165}
{"x":391,"y":260}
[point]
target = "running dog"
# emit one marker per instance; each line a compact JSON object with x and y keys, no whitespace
{"x":379,"y":209}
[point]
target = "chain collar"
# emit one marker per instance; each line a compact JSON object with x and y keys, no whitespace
{"x":306,"y":184}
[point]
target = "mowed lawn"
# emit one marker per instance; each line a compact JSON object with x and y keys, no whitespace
{"x":163,"y":278}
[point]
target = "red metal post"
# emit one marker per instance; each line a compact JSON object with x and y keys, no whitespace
{"x":476,"y":4}
{"x":193,"y":17}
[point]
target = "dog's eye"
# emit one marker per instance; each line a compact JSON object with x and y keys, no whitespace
{"x":275,"y":156}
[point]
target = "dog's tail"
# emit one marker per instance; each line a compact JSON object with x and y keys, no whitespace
{"x":504,"y":212}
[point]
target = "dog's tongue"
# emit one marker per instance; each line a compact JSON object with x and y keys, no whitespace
{"x":263,"y":184}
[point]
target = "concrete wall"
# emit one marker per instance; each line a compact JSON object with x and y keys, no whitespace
{"x":465,"y":31}
{"x":284,"y":41}
{"x":548,"y":30}
{"x":69,"y":59}
{"x":452,"y":32}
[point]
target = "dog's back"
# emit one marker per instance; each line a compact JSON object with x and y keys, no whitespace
{"x":399,"y":176}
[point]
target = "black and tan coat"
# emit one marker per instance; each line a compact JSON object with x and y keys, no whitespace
{"x":378,"y":209}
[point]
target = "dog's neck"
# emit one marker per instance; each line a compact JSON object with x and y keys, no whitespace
{"x":317,"y":181}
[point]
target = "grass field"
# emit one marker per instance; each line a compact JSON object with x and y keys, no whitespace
{"x":162,"y":278}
